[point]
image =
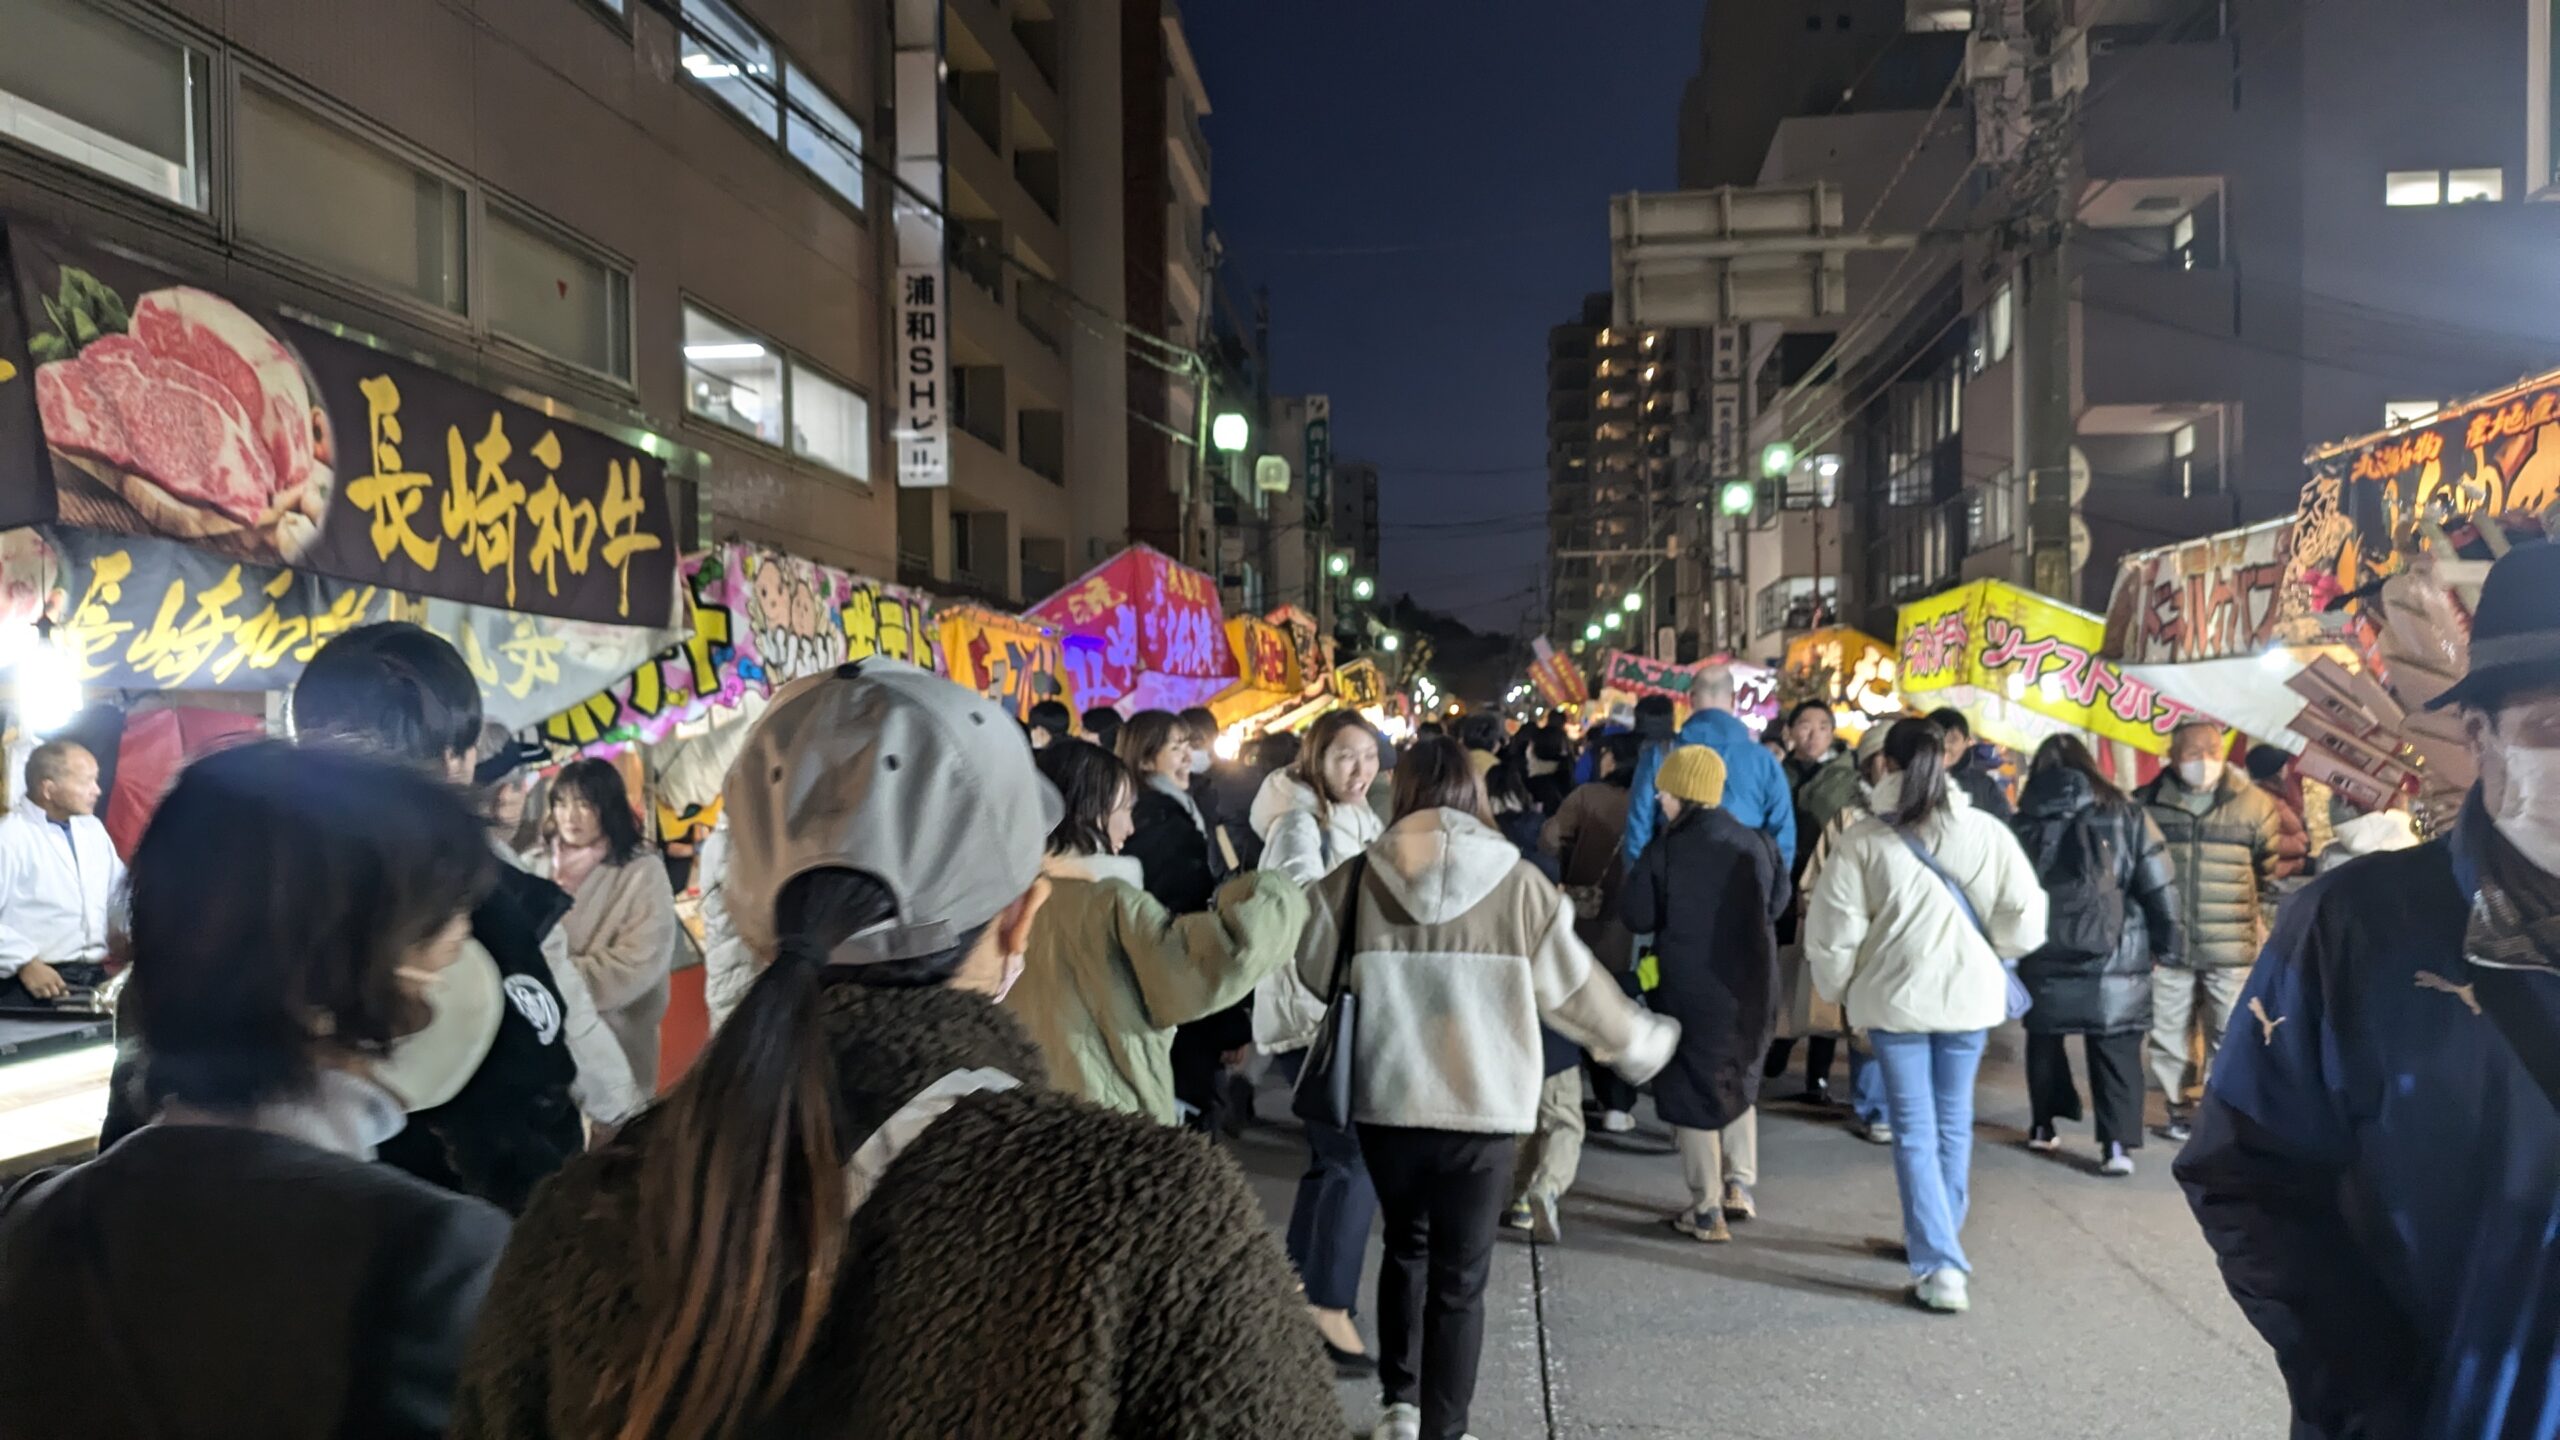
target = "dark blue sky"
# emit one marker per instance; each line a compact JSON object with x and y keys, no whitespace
{"x":1423,"y":185}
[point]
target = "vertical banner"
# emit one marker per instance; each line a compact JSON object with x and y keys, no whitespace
{"x":920,"y":427}
{"x":1319,"y":455}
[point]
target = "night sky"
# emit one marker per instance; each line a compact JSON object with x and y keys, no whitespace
{"x":1423,"y":186}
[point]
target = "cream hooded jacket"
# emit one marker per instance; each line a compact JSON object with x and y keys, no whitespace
{"x":1298,"y":843}
{"x":1460,"y":949}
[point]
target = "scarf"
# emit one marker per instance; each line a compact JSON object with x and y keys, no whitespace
{"x":2515,"y":923}
{"x":572,"y":864}
{"x":1181,"y":792}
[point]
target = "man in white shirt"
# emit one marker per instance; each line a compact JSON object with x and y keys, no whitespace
{"x":58,"y":871}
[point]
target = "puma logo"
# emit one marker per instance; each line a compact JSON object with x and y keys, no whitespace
{"x":2258,"y":1012}
{"x":2430,"y":980}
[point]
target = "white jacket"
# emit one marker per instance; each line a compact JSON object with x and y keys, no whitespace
{"x":1886,"y":940}
{"x":1297,"y":844}
{"x":1461,"y":948}
{"x":53,"y":894}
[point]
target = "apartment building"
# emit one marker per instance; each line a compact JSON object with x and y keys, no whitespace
{"x":655,"y":218}
{"x":1168,"y":267}
{"x":1612,"y":399}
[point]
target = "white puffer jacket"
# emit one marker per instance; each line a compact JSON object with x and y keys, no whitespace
{"x":1298,"y":843}
{"x":1884,"y":938}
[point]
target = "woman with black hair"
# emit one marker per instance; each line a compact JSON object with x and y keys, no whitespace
{"x":1914,"y":918}
{"x":861,"y":1212}
{"x":1110,"y":973}
{"x":622,"y":926}
{"x":241,"y":1266}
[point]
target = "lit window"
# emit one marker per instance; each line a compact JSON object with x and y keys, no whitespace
{"x":2468,"y":187}
{"x":731,"y":59}
{"x":1997,"y":317}
{"x":305,"y":187}
{"x":2413,"y":187}
{"x":821,"y":136}
{"x":2396,"y":413}
{"x":830,"y":423}
{"x":2183,"y":443}
{"x":731,"y":378}
{"x":557,"y":297}
{"x":105,"y":95}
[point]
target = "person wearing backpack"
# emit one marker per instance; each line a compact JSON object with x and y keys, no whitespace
{"x":2111,"y":902}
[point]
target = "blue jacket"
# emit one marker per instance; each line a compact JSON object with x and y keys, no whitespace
{"x":1755,"y":784}
{"x":2374,"y":1166}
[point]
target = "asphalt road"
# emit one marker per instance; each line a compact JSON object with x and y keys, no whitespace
{"x":2097,"y":1310}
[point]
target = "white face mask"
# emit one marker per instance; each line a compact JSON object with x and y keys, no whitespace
{"x":2200,"y":774}
{"x":2528,"y":812}
{"x":1200,"y":762}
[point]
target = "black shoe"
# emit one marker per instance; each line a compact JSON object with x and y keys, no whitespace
{"x":2176,"y":1131}
{"x":1816,"y":1092}
{"x":1351,"y":1364}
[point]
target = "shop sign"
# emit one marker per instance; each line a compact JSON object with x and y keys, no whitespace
{"x":135,"y":613}
{"x":2036,"y":653}
{"x":1360,"y":684}
{"x":920,"y":412}
{"x":760,"y":620}
{"x":169,"y":411}
{"x":1640,"y":675}
{"x":1558,"y":679}
{"x":2495,"y":456}
{"x":1860,"y":672}
{"x":1306,"y":640}
{"x":2217,"y":598}
{"x":1141,"y":614}
{"x":1010,"y":660}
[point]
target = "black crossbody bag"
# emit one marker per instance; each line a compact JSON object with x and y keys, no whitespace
{"x":1323,"y":1093}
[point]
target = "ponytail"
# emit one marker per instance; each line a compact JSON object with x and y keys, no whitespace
{"x":1918,"y":749}
{"x":742,"y":1219}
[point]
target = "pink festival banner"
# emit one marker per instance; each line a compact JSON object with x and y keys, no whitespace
{"x":1142,"y":631}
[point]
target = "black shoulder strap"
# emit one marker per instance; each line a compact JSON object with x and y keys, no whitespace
{"x":1347,"y":925}
{"x":2529,"y":1029}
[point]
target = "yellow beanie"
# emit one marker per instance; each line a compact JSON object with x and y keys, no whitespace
{"x":1693,"y":773}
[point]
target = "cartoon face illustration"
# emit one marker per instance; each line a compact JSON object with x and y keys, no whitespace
{"x":768,"y":594}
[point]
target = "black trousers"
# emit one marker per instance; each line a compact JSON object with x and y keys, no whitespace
{"x":2115,"y":1084}
{"x":1612,"y":1090}
{"x":1199,"y":1063}
{"x":1819,"y":1051}
{"x":1442,"y":1194}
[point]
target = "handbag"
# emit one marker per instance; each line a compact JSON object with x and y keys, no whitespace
{"x":1323,"y":1092}
{"x":2018,"y":1000}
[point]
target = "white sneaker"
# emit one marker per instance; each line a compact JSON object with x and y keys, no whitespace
{"x":1943,"y":1291}
{"x":1617,"y":1122}
{"x":1401,"y":1422}
{"x":2118,"y":1164}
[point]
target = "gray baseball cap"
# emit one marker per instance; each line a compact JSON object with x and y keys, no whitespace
{"x":880,"y":767}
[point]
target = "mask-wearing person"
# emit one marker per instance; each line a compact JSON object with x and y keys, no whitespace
{"x":2373,"y":1156}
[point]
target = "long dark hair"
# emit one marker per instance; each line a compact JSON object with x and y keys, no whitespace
{"x":2066,"y":752}
{"x":1918,"y":749}
{"x":1091,"y":780}
{"x":742,"y":1222}
{"x":601,"y":787}
{"x":1435,"y":775}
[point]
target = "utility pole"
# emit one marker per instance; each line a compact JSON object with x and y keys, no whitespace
{"x":2048,"y":169}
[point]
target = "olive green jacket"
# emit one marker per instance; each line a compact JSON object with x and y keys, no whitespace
{"x":1110,"y":972}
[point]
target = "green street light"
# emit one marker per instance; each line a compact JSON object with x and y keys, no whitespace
{"x":1390,"y":642}
{"x":1591,"y":631}
{"x":1229,"y":432}
{"x":1363,"y":588}
{"x":1634,"y":601}
{"x":1777,"y":459}
{"x":1338,"y":563}
{"x":1736,"y":498}
{"x":1611,"y":623}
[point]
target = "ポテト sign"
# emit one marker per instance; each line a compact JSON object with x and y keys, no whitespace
{"x":2037,"y":653}
{"x":165,"y":409}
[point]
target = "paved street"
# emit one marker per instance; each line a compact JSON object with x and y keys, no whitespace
{"x":2097,"y":1311}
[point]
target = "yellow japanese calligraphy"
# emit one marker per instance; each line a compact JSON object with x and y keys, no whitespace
{"x":391,"y":495}
{"x":93,"y":629}
{"x":532,"y":658}
{"x":620,"y":517}
{"x":481,"y":511}
{"x":171,"y":651}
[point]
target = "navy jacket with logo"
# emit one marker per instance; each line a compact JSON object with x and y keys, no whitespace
{"x":2379,"y":1173}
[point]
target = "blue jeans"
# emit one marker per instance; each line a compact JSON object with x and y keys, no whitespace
{"x":1928,"y":1088}
{"x":1335,"y":1206}
{"x":1866,"y":1088}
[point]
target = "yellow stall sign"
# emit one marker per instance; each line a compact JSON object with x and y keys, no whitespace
{"x":2036,"y":653}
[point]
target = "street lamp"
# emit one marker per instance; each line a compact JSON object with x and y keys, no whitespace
{"x":1611,"y":623}
{"x":1591,"y":631}
{"x":1230,"y":433}
{"x":1777,"y":459}
{"x":1338,"y":563}
{"x":1363,"y":588}
{"x":1736,"y":498}
{"x":1634,"y":601}
{"x":1390,"y":643}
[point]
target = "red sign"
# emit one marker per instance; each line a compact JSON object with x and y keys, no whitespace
{"x":1137,"y":615}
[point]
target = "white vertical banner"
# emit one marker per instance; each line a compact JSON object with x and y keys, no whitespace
{"x":919,"y":381}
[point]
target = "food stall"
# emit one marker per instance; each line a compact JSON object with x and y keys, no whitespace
{"x":1626,"y":677}
{"x":1853,"y":672}
{"x":1142,"y":631}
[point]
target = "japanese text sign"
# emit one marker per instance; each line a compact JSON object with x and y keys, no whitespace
{"x":1141,"y":613}
{"x":168,"y":410}
{"x":1559,"y":680}
{"x":1013,"y":661}
{"x":2216,"y":598}
{"x":2038,"y":653}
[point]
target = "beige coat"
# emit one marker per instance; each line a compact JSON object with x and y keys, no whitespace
{"x":622,"y":938}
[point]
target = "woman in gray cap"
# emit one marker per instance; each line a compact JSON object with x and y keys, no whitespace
{"x":862,"y":1213}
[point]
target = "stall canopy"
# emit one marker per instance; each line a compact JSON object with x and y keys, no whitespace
{"x":1635,"y":676}
{"x":1268,"y":671}
{"x":1852,"y":671}
{"x":2021,"y":666}
{"x":1142,"y":632}
{"x":1013,"y":661}
{"x":2222,"y":624}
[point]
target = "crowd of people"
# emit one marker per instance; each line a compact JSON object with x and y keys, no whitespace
{"x":985,"y":992}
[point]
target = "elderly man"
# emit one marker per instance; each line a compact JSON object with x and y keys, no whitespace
{"x":2373,"y":1160}
{"x":1755,"y":790}
{"x":58,"y":870}
{"x":2226,"y":840}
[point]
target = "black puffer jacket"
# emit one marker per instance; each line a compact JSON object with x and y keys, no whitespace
{"x":1171,"y":850}
{"x":2075,"y":994}
{"x":2227,"y":862}
{"x":1032,"y":1267}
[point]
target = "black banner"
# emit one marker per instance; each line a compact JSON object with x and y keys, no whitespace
{"x":168,"y":410}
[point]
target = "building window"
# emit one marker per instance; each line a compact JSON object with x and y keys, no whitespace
{"x":106,"y":95}
{"x":2396,"y":413}
{"x":742,"y":68}
{"x":554,"y":296}
{"x":305,"y":187}
{"x":1799,"y":602}
{"x":2468,"y":187}
{"x":731,"y":378}
{"x":1991,"y":514}
{"x":2413,"y":187}
{"x":830,"y":423}
{"x":1996,"y":318}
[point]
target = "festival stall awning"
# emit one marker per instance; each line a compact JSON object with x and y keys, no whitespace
{"x":1851,"y":670}
{"x":1636,"y":676}
{"x":1142,"y":632}
{"x":760,"y":620}
{"x":1268,"y":669}
{"x":2002,"y":654}
{"x":1016,"y":662}
{"x":1360,"y":684}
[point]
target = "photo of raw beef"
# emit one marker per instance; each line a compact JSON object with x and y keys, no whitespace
{"x":199,"y":418}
